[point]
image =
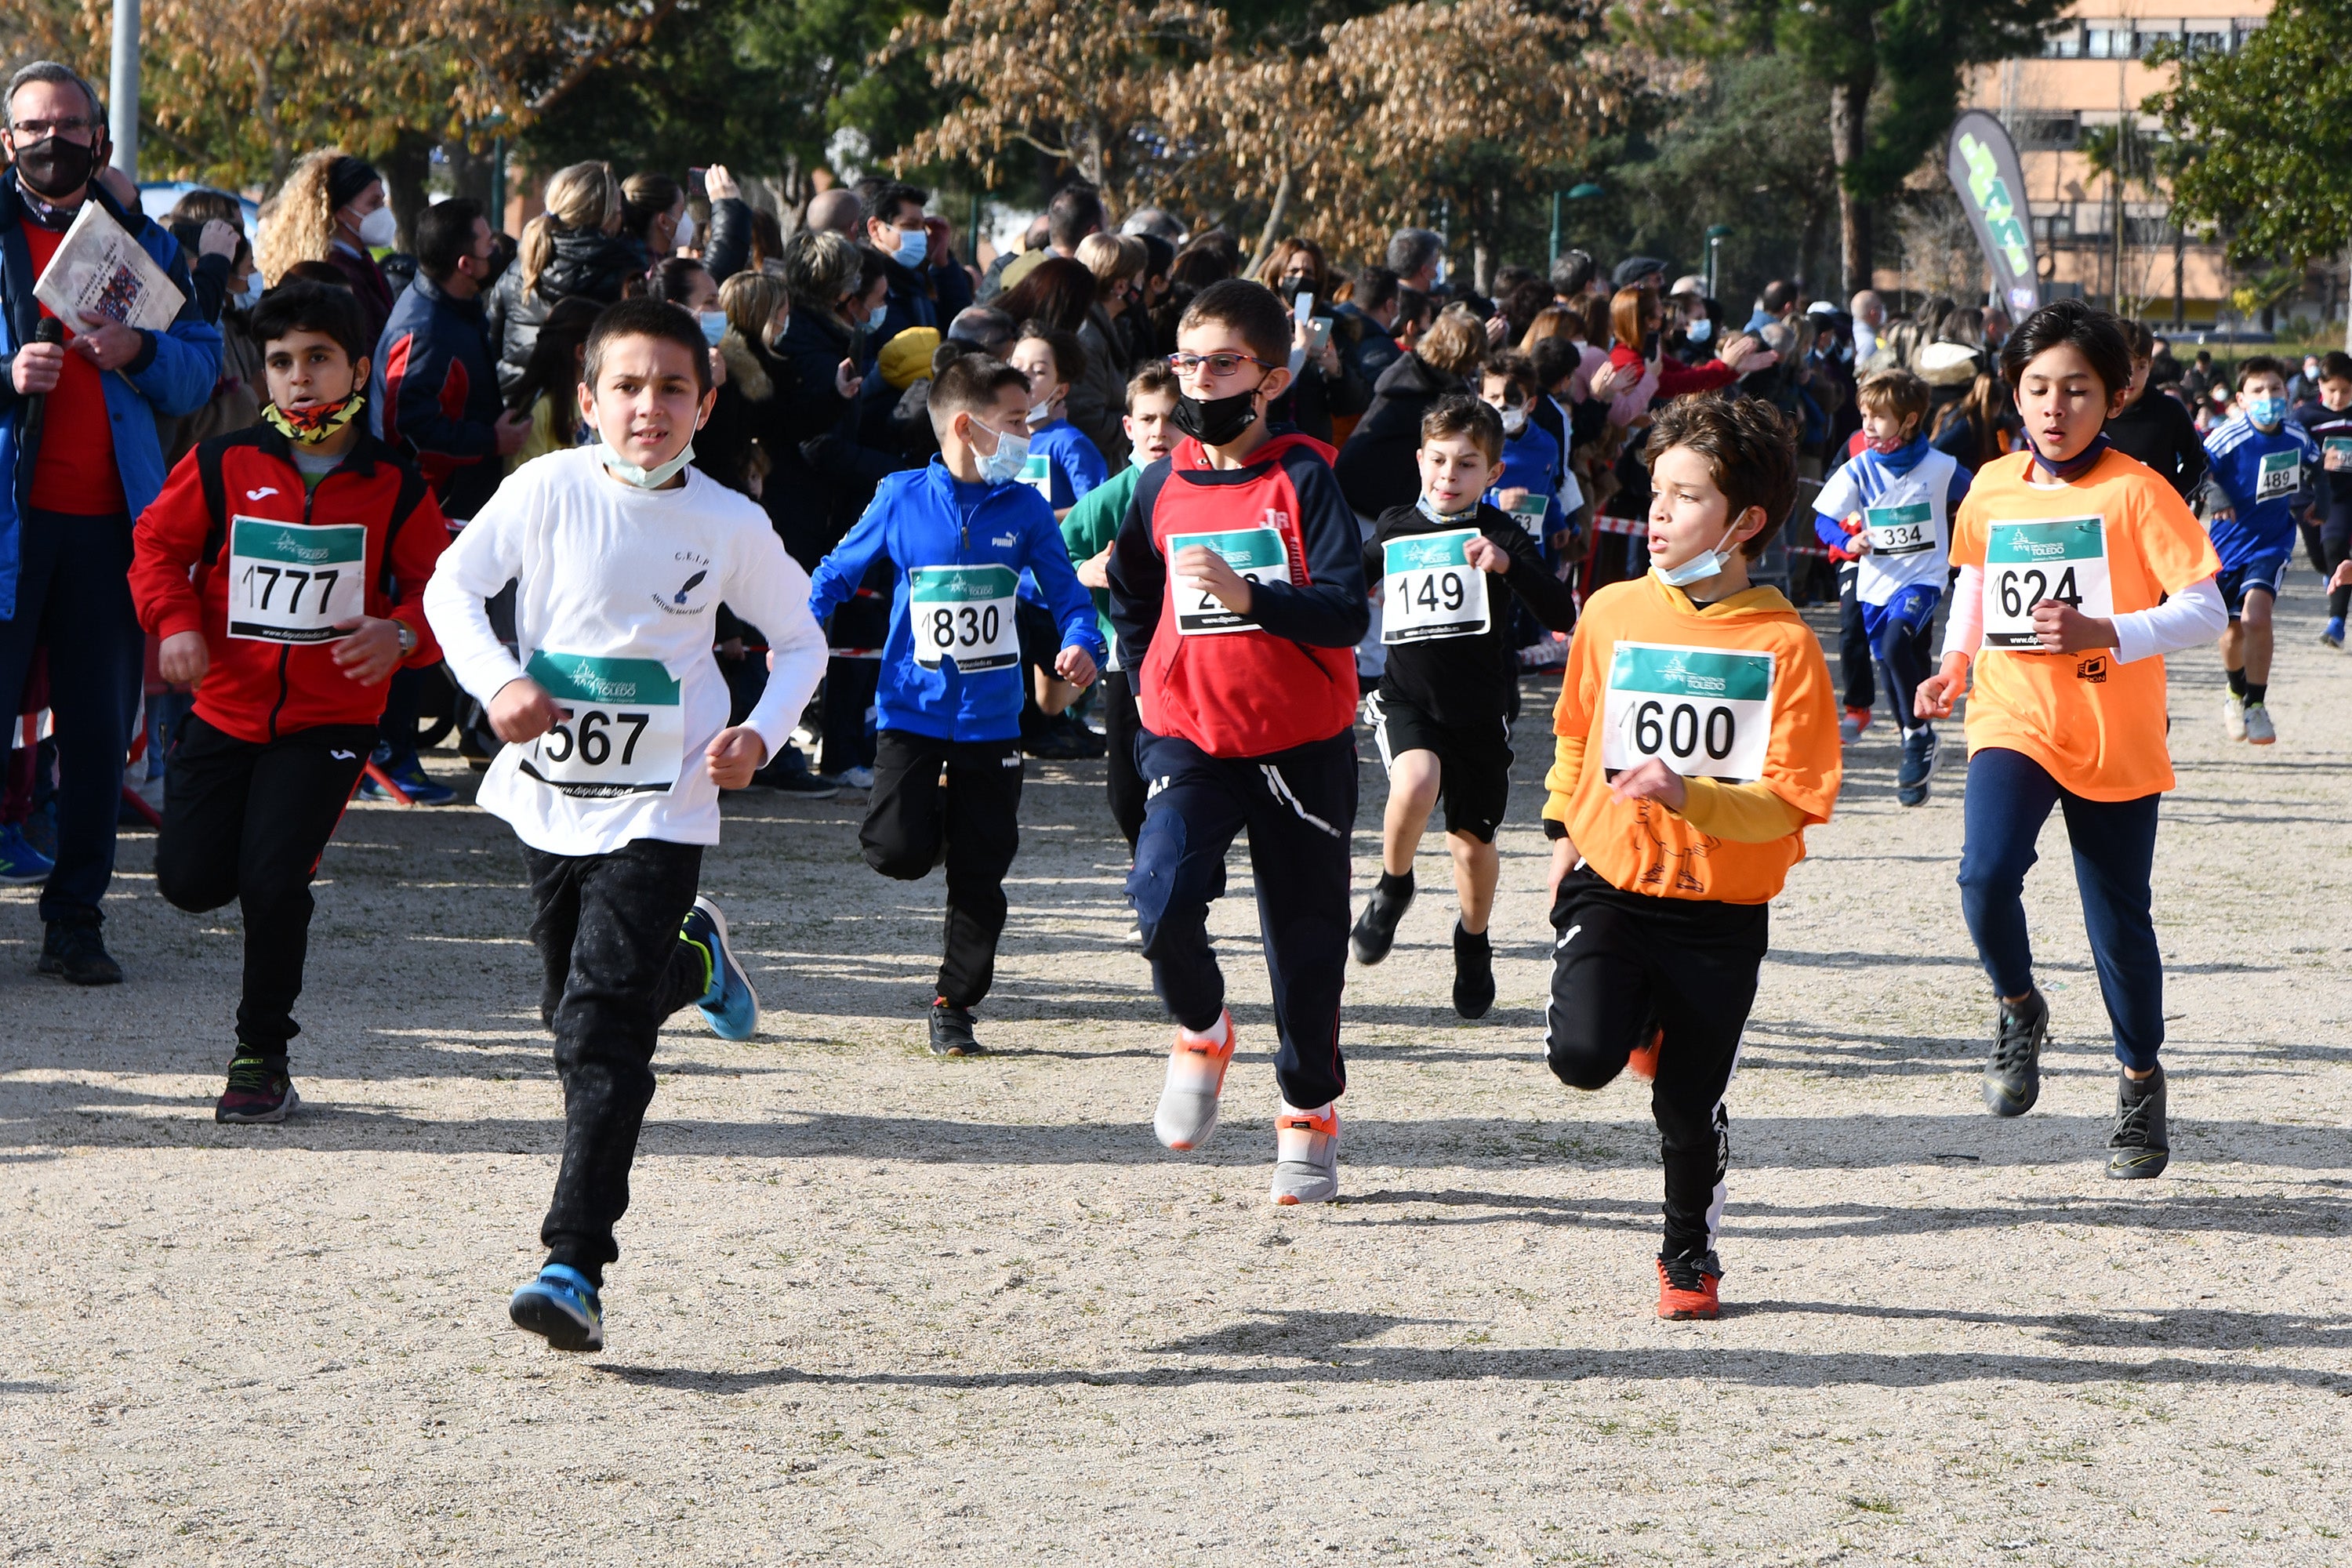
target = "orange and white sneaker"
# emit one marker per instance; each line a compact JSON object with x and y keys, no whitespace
{"x":1686,"y":1286}
{"x":1643,"y":1062}
{"x":1196,"y":1077}
{"x":1306,"y":1155}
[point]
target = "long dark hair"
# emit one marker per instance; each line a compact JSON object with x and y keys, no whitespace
{"x":1058,"y":291}
{"x":553,"y":368}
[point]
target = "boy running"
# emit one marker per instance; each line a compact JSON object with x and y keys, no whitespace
{"x":1698,"y":741}
{"x":1889,"y":506}
{"x":2262,"y":465}
{"x":2080,"y":567}
{"x":1088,"y":533}
{"x":958,"y":534}
{"x":2328,"y":423}
{"x":1442,"y":716}
{"x":282,"y":567}
{"x":1062,"y":465}
{"x":617,"y":745}
{"x":1237,"y":588}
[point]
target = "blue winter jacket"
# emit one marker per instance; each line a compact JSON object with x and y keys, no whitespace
{"x":925,"y":517}
{"x":174,"y":374}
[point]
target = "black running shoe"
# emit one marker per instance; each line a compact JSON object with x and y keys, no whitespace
{"x":1474,"y":972}
{"x":258,"y":1090}
{"x":1375,"y":928}
{"x":74,"y":951}
{"x":2141,"y":1147}
{"x":1920,"y":748}
{"x":951,"y":1031}
{"x":2012,"y":1079}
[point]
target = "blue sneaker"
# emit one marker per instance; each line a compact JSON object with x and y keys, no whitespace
{"x":2334,"y":634}
{"x":21,"y":865}
{"x":410,"y":777}
{"x":729,"y":1006}
{"x":562,"y":1305}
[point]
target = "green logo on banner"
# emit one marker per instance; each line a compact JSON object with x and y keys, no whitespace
{"x":580,"y":677}
{"x":1427,"y":552}
{"x":1723,"y":676}
{"x":961,"y":585}
{"x":297,"y":545}
{"x":2045,"y":543}
{"x":1242,"y":548}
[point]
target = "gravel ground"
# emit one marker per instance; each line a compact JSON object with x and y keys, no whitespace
{"x":879,"y":1307}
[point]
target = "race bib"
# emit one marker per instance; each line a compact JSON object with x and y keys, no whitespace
{"x":1430,"y":590}
{"x":1037,"y":473}
{"x":624,"y":733}
{"x":2025,"y":562}
{"x":292,"y":582}
{"x":963,"y":612}
{"x":1257,"y":553}
{"x":1901,"y":529}
{"x":1706,"y":711}
{"x":1529,"y":513}
{"x":2281,"y":475}
{"x":2340,"y":449}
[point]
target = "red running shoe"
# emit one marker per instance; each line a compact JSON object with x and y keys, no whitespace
{"x":1687,"y":1287}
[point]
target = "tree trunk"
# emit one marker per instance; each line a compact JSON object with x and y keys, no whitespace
{"x":1273,"y":229}
{"x":1849,"y":105}
{"x":2347,"y":299}
{"x":405,"y":170}
{"x":2180,"y":250}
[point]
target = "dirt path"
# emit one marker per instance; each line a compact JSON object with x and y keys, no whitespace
{"x":877,"y":1308}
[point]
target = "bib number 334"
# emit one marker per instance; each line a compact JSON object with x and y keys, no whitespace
{"x":2061,"y":559}
{"x":1708,"y":711}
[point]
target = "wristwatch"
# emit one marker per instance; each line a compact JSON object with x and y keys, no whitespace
{"x":407,"y":638}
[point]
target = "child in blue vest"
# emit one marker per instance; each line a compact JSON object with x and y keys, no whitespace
{"x":1890,"y":505}
{"x":2262,"y":466}
{"x":959,"y":533}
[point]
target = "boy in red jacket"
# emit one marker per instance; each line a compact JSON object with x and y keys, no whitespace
{"x":1237,"y":591}
{"x":282,"y":566}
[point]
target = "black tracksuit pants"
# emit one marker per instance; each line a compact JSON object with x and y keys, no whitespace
{"x":972,"y":820}
{"x":1299,"y":807}
{"x":248,"y":821}
{"x":1121,"y":724}
{"x":1626,"y":964}
{"x":1853,"y":640}
{"x":607,"y":934}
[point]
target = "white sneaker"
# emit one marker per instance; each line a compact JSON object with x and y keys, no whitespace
{"x":1306,"y":1155}
{"x":2233,"y":716}
{"x":1187,"y":1117}
{"x":2256,"y":726}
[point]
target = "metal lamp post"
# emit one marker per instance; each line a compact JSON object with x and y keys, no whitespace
{"x":1716,"y":235}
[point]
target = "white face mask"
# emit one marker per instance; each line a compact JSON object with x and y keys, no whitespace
{"x":1514,"y":421}
{"x":379,"y":228}
{"x":1699,"y":568}
{"x":1012,"y":455}
{"x":1042,"y":414}
{"x":685,"y":235}
{"x":651,"y":478}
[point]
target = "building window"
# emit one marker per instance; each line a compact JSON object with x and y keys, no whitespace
{"x":2066,"y":43}
{"x":2207,"y":35}
{"x":2110,"y":43}
{"x":2045,"y":132}
{"x":2052,"y":226}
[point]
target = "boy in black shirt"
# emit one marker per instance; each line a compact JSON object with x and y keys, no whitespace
{"x":1442,"y":710}
{"x":2154,"y":426}
{"x":2329,"y":422}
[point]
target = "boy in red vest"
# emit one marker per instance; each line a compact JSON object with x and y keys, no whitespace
{"x":1237,"y":591}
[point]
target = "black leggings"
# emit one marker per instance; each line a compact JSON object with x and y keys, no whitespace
{"x":607,"y":934}
{"x":247,"y":820}
{"x":1121,"y":724}
{"x":972,"y":821}
{"x":1627,"y":964}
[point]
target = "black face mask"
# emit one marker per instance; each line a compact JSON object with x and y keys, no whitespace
{"x":54,"y":166}
{"x":1217,"y":421}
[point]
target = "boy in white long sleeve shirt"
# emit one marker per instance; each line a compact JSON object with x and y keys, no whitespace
{"x":618,"y":746}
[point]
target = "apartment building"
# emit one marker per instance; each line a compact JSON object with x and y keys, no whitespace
{"x":2091,"y":76}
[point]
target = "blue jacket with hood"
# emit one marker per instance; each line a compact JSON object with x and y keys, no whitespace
{"x":174,"y":374}
{"x":926,"y":517}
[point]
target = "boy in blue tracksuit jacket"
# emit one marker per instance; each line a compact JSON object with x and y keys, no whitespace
{"x":2262,"y":465}
{"x":959,"y":532}
{"x":1531,"y":459}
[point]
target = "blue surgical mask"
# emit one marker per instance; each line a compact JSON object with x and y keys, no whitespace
{"x":875,"y":317}
{"x":1699,"y":568}
{"x":913,"y":246}
{"x":252,"y":295}
{"x":1700,"y":331}
{"x":651,"y":478}
{"x":1012,"y":455}
{"x":2266,"y":411}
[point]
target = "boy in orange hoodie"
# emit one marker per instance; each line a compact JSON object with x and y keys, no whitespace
{"x":1697,"y":740}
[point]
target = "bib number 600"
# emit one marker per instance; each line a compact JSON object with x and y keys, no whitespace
{"x":1680,"y":731}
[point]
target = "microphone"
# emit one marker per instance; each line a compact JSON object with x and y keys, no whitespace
{"x":50,"y":330}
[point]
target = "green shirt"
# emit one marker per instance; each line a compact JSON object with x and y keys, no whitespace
{"x":1092,"y":524}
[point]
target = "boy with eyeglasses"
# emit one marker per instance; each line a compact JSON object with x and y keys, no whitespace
{"x":1237,"y":590}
